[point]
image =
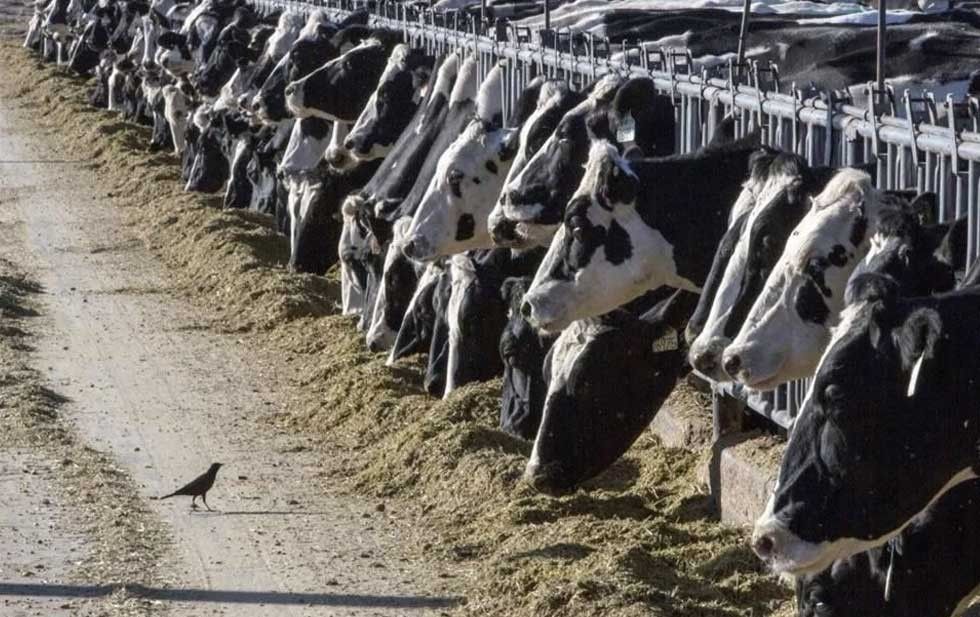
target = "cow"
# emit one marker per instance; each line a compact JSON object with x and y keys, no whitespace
{"x":338,"y":90}
{"x":634,"y":225}
{"x":607,"y":378}
{"x":400,"y":91}
{"x":477,"y":311}
{"x":396,"y":289}
{"x":931,"y":569}
{"x":887,"y":428}
{"x":789,"y":324}
{"x":522,"y":351}
{"x":554,"y":100}
{"x":415,"y":333}
{"x":780,"y":185}
{"x":535,"y":199}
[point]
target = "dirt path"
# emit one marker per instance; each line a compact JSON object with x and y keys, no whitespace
{"x":147,"y":383}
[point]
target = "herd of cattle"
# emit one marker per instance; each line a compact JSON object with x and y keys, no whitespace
{"x":570,"y":251}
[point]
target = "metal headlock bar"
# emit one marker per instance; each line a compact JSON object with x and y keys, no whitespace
{"x":921,"y":148}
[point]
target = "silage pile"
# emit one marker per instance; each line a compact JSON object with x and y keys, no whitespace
{"x":641,"y":540}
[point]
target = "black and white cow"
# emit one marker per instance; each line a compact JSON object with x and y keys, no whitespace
{"x":889,"y":425}
{"x":931,"y":570}
{"x":635,"y":225}
{"x":789,"y":324}
{"x":452,"y":216}
{"x":534,"y":199}
{"x":339,"y":90}
{"x":780,"y":186}
{"x":607,"y":379}
{"x":477,"y":311}
{"x":415,"y":333}
{"x":401,"y":89}
{"x":522,"y":350}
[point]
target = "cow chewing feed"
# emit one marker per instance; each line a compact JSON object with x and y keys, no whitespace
{"x":633,"y":226}
{"x":606,"y":382}
{"x":888,"y":427}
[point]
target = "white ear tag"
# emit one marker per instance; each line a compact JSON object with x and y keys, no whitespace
{"x":626,"y":132}
{"x":914,"y":379}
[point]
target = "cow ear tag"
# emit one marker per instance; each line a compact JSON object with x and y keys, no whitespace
{"x":626,"y":132}
{"x":914,"y":379}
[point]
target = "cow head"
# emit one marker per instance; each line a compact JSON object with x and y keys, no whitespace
{"x":174,"y":55}
{"x":789,"y":324}
{"x":595,"y":263}
{"x":398,"y":281}
{"x":540,"y":108}
{"x":311,"y":50}
{"x":230,"y":54}
{"x":535,"y":198}
{"x":888,"y":426}
{"x":400,"y":91}
{"x":780,"y":186}
{"x":452,"y":215}
{"x":339,"y":89}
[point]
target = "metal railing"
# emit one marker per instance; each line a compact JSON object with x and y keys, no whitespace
{"x":912,"y":141}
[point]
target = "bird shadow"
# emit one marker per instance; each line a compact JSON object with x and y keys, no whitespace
{"x":214,"y":512}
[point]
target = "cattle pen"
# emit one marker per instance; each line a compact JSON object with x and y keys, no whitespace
{"x":488,"y":316}
{"x":913,"y":142}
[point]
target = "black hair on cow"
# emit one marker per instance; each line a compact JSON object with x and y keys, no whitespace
{"x":171,"y":40}
{"x":918,"y":335}
{"x":871,"y":287}
{"x":527,"y":102}
{"x":652,"y":116}
{"x":356,"y":18}
{"x":598,"y":127}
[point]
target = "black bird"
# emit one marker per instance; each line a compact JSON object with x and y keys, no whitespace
{"x":199,"y":486}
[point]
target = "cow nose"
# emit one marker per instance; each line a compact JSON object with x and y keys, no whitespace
{"x":349,"y":144}
{"x":526,"y":310}
{"x":763,"y":546}
{"x":503,"y":231}
{"x":705,"y":363}
{"x":290,"y":89}
{"x":732,"y":364}
{"x":410,"y":249}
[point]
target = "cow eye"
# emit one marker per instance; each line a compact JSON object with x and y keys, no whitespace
{"x":455,"y":176}
{"x":821,"y":609}
{"x":577,"y":225}
{"x":833,"y":392}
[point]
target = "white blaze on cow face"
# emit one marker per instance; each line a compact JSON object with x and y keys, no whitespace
{"x":789,"y":325}
{"x":452,"y":215}
{"x":755,"y":199}
{"x":604,"y":277}
{"x":463,"y":276}
{"x":337,"y":154}
{"x":351,"y":294}
{"x":563,"y":355}
{"x":176,"y":108}
{"x":304,"y":150}
{"x":233,"y":89}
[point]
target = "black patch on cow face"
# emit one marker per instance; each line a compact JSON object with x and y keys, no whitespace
{"x":810,"y":304}
{"x":317,"y":128}
{"x":620,"y":187}
{"x":859,"y":230}
{"x":837,"y":256}
{"x":815,"y":269}
{"x":618,"y":245}
{"x":465,"y":227}
{"x":491,"y":167}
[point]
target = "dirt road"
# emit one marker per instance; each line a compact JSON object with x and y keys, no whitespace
{"x":164,"y":396}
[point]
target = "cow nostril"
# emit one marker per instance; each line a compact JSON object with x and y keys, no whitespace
{"x":526,"y":310}
{"x":349,"y":144}
{"x":409,"y":249}
{"x":732,"y":364}
{"x":290,"y":89}
{"x":705,"y":362}
{"x":763,"y":546}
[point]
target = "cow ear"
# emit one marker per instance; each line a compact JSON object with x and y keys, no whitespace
{"x":916,"y":340}
{"x":925,"y":208}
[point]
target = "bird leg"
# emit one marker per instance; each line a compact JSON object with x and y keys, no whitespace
{"x":204,"y":498}
{"x":193,"y":505}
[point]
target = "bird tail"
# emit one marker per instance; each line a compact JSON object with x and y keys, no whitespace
{"x":167,"y":496}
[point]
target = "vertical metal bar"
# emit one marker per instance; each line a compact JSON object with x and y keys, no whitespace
{"x":744,"y":31}
{"x":880,"y":60}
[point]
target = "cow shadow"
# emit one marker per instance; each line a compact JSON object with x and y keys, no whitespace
{"x":562,"y":551}
{"x":621,"y":476}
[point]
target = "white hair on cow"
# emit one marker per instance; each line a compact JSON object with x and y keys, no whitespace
{"x":463,"y":276}
{"x":466,"y":82}
{"x":489,"y":99}
{"x":316,"y":20}
{"x":287,"y":31}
